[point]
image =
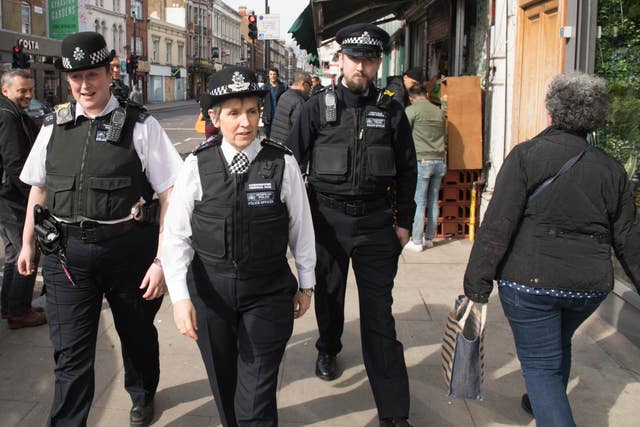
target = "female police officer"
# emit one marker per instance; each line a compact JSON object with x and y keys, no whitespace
{"x":236,"y":205}
{"x":93,"y":161}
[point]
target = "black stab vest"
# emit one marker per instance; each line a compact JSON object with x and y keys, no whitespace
{"x":240,"y":228}
{"x":92,"y":178}
{"x":354,"y":156}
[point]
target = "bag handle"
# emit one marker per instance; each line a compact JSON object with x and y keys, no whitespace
{"x":467,"y":312}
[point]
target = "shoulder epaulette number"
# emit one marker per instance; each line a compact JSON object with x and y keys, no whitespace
{"x":270,"y":143}
{"x":212,"y":141}
{"x":142,"y":116}
{"x":49,"y":119}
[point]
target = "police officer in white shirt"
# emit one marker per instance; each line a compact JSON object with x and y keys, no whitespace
{"x":237,"y":204}
{"x":94,"y":161}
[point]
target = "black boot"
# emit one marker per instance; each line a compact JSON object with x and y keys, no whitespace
{"x":326,"y":367}
{"x":395,"y":422}
{"x":141,"y":415}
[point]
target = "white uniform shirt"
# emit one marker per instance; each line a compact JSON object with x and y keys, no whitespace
{"x":160,"y":160}
{"x":176,"y":243}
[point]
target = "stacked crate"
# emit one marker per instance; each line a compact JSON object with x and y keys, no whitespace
{"x":454,"y":201}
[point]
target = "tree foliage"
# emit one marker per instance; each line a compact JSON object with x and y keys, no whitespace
{"x":618,"y":61}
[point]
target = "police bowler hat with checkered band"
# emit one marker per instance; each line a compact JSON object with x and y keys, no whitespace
{"x":82,"y":51}
{"x":234,"y":82}
{"x":362,"y":40}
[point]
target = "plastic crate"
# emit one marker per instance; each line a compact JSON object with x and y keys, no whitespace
{"x":461,"y":177}
{"x":453,"y":229}
{"x":455,"y":211}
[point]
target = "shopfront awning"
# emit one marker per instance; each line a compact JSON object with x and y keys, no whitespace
{"x":321,"y":19}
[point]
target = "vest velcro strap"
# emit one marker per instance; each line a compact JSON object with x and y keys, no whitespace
{"x":353,"y":207}
{"x":93,"y":232}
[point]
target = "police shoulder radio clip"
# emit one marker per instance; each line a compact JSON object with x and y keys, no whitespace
{"x":116,"y":124}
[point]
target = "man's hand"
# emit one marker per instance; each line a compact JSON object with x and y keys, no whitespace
{"x":301,"y":304}
{"x":154,"y":283}
{"x":403,"y":235}
{"x":184,"y":314}
{"x":26,"y":266}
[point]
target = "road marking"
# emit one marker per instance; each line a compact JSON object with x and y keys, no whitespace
{"x":177,"y":143}
{"x":189,"y":139}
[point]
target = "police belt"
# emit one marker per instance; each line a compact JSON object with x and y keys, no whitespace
{"x":353,"y":207}
{"x":93,"y":232}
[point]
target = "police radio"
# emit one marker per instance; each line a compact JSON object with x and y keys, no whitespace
{"x":116,"y":124}
{"x":330,"y":110}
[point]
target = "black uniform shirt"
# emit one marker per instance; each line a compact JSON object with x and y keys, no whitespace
{"x":305,"y":130}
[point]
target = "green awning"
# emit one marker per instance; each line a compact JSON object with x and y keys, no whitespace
{"x":302,"y":31}
{"x":331,"y":15}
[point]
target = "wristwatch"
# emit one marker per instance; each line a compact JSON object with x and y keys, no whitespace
{"x":307,"y":291}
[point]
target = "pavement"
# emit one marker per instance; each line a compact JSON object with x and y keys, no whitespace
{"x":603,"y":389}
{"x":157,"y":106}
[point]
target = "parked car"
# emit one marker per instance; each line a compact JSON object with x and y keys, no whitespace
{"x":37,"y":110}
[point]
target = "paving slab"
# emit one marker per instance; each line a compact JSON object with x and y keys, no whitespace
{"x":603,"y":389}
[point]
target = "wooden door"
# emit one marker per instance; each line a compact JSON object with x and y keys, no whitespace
{"x":539,"y":57}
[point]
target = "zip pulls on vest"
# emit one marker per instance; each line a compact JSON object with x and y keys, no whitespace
{"x":356,"y":148}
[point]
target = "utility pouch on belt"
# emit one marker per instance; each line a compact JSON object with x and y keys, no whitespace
{"x":148,"y":212}
{"x":48,"y":231}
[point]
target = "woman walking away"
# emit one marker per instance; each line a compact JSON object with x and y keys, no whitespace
{"x":559,"y":205}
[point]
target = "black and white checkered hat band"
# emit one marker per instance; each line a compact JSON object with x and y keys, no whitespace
{"x":233,"y":88}
{"x":364,"y":40}
{"x":96,"y":57}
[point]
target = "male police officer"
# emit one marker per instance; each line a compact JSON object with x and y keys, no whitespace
{"x":361,"y":157}
{"x":93,"y":162}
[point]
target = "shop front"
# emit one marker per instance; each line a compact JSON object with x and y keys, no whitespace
{"x":50,"y":86}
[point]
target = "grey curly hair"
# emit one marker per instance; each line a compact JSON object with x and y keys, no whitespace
{"x":577,"y":101}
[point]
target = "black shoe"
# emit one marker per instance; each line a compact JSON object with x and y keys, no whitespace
{"x":395,"y":422}
{"x":326,"y":367}
{"x":526,"y":404}
{"x":141,"y":415}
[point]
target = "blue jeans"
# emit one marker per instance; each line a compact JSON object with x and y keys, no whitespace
{"x":542,"y":327}
{"x":430,"y":173}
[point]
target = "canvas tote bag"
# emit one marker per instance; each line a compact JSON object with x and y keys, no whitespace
{"x":462,"y":353}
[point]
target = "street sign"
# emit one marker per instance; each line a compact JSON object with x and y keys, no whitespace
{"x":269,"y":27}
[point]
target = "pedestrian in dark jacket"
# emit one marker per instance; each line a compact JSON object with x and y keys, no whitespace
{"x":551,"y":253}
{"x":316,"y":86}
{"x":276,"y":88}
{"x":289,"y":107}
{"x":400,"y":85}
{"x":17,"y":133}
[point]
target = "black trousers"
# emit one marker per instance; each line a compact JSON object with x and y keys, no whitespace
{"x":373,"y":247}
{"x":17,"y":290}
{"x":243,"y":329}
{"x":114,"y":269}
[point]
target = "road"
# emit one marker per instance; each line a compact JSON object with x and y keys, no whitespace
{"x":178,"y":122}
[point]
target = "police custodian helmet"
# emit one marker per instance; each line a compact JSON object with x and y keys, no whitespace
{"x":359,"y":40}
{"x":85,"y":50}
{"x":233,"y":82}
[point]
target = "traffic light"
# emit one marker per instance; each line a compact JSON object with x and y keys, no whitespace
{"x":253,"y":26}
{"x":132,"y":64}
{"x":20,"y":59}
